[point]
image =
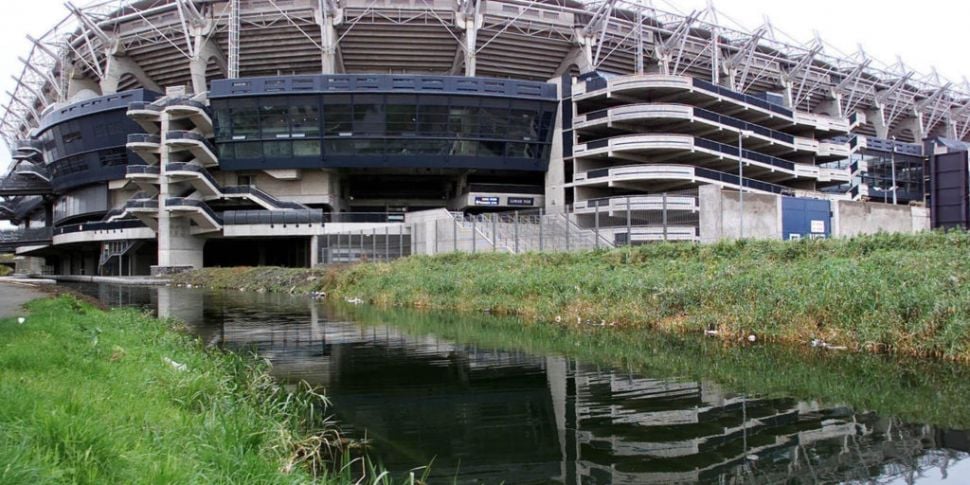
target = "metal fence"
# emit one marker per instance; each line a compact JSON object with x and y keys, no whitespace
{"x":642,"y":219}
{"x":376,"y":244}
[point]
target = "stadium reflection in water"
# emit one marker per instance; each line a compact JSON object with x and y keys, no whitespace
{"x":486,"y":415}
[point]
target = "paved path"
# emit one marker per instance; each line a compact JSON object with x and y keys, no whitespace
{"x":13,"y":296}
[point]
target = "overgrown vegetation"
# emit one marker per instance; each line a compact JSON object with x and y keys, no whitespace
{"x":5,"y":261}
{"x":888,"y":293}
{"x":119,"y":397}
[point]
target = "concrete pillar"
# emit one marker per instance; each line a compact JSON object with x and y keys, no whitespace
{"x":710,"y":219}
{"x":831,"y":106}
{"x":206,"y":49}
{"x":79,"y":87}
{"x":913,"y":123}
{"x":470,"y":23}
{"x":116,"y":67}
{"x":878,"y":118}
{"x":178,"y":249}
{"x":556,"y":174}
{"x":328,"y":18}
{"x":314,"y":251}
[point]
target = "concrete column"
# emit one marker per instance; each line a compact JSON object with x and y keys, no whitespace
{"x":470,"y":23}
{"x":710,"y":215}
{"x":206,"y":49}
{"x":831,"y":106}
{"x":314,"y":251}
{"x":178,"y":249}
{"x":877,"y":117}
{"x":116,"y":67}
{"x":328,"y":22}
{"x":556,"y":174}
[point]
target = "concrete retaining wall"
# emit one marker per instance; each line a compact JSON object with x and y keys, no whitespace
{"x":720,"y":215}
{"x":852,"y":218}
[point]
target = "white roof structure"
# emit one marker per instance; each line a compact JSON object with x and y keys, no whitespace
{"x":107,"y":46}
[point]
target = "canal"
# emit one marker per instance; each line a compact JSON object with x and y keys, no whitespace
{"x":483,"y":409}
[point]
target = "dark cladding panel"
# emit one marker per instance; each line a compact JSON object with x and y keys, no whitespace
{"x":950,"y":191}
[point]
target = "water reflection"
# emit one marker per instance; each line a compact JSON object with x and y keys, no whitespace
{"x":486,"y":416}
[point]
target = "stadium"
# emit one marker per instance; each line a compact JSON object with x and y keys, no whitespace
{"x":158,"y":135}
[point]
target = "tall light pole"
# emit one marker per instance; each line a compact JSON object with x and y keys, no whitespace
{"x":741,"y":135}
{"x":892,"y":166}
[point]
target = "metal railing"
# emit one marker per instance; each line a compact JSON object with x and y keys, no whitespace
{"x":283,"y":218}
{"x":144,"y":106}
{"x":639,"y":219}
{"x":180,"y":202}
{"x":176,"y":135}
{"x":363,"y":217}
{"x":255,"y":192}
{"x":20,"y":184}
{"x":142,"y":169}
{"x":144,"y":138}
{"x":16,"y":237}
{"x":375,"y":244}
{"x":98,"y":226}
{"x":34,"y":170}
{"x":512,"y":232}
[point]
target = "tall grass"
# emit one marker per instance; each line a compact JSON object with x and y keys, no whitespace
{"x":103,"y":397}
{"x":888,"y":293}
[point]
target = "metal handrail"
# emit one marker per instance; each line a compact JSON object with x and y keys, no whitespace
{"x":144,"y":138}
{"x":186,"y":202}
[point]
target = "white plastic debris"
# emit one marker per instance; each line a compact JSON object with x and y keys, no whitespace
{"x":175,"y":365}
{"x":21,"y":320}
{"x":355,"y":301}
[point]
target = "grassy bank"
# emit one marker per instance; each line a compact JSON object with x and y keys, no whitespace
{"x":897,"y":293}
{"x":117,"y":397}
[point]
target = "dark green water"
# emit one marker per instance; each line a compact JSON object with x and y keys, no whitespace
{"x":487,"y":407}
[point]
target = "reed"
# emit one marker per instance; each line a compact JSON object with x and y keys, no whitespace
{"x":904,"y":294}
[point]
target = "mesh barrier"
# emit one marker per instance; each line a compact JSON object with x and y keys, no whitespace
{"x":375,"y":244}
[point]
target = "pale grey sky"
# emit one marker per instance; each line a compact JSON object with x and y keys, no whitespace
{"x":925,"y":34}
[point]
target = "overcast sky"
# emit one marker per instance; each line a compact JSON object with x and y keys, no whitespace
{"x":925,"y":34}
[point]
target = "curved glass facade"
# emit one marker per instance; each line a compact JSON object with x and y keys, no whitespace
{"x":375,"y":129}
{"x":84,"y":143}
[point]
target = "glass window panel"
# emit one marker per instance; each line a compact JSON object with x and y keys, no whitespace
{"x":464,"y":148}
{"x":304,"y":118}
{"x":338,"y":115}
{"x":491,"y":149}
{"x":519,"y":150}
{"x":368,"y":146}
{"x":368,"y":118}
{"x":433,"y":121}
{"x":223,"y":124}
{"x":274,"y":121}
{"x":429,"y":147}
{"x":249,"y":150}
{"x":227,"y":151}
{"x":493,"y":122}
{"x":339,"y":146}
{"x":461,"y":121}
{"x":277,"y":149}
{"x":522,"y":125}
{"x":306,"y":148}
{"x":401,"y":119}
{"x":245,"y":123}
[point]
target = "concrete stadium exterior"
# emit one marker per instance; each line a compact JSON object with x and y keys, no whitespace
{"x":159,"y":135}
